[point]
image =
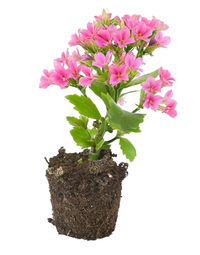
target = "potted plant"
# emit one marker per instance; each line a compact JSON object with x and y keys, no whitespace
{"x":85,"y":187}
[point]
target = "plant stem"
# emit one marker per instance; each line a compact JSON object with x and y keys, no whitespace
{"x":112,"y":140}
{"x":132,"y":91}
{"x":94,"y":156}
{"x":136,"y":109}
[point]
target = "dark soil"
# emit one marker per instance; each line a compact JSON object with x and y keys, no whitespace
{"x":85,"y":195}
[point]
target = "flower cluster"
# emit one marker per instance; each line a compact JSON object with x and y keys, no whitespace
{"x":108,"y":59}
{"x":156,"y":102}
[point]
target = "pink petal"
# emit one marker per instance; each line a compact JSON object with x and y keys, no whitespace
{"x":86,"y":70}
{"x":100,"y":59}
{"x":85,"y":81}
{"x":114,"y":80}
{"x":113,"y":69}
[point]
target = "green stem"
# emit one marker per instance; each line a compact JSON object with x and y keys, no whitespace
{"x":83,"y":91}
{"x":140,"y":52}
{"x":136,"y":109}
{"x":132,"y":91}
{"x":112,"y":140}
{"x":115,"y":96}
{"x":94,"y":155}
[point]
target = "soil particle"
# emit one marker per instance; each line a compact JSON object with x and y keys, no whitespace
{"x":85,"y":195}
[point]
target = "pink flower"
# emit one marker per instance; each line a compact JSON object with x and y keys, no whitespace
{"x":117,"y":74}
{"x":150,"y":85}
{"x":121,"y":101}
{"x":86,"y":57}
{"x":73,"y":69}
{"x":152,"y":101}
{"x":75,"y":40}
{"x":88,"y":79}
{"x":168,"y":96}
{"x":150,"y":23}
{"x":88,"y":34}
{"x":161,"y":25}
{"x":76,"y":56}
{"x":64,"y":58}
{"x":165,"y":77}
{"x":132,"y":62}
{"x":131,"y":21}
{"x":160,"y":40}
{"x":103,"y":38}
{"x":100,"y":60}
{"x":60,"y":75}
{"x":170,"y":108}
{"x":142,"y":31}
{"x":112,"y":29}
{"x":122,"y":37}
{"x":122,"y":56}
{"x":46,"y":79}
{"x":101,"y":19}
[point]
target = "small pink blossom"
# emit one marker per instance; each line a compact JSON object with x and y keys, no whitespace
{"x":73,"y":69}
{"x":161,"y":40}
{"x":60,"y":75}
{"x":150,"y":23}
{"x":131,"y":21}
{"x":103,"y":38}
{"x":151,"y":86}
{"x":100,"y":17}
{"x":132,"y":62}
{"x":121,"y":101}
{"x":152,"y":101}
{"x":165,"y":77}
{"x":88,"y":34}
{"x":64,"y":58}
{"x":75,"y":40}
{"x":100,"y":60}
{"x":46,"y":79}
{"x":76,"y":56}
{"x":89,"y":77}
{"x":117,"y":74}
{"x":170,"y":108}
{"x":122,"y":37}
{"x":86,"y":57}
{"x":122,"y":56}
{"x":161,"y":25}
{"x":112,"y":29}
{"x":142,"y":31}
{"x":168,"y":96}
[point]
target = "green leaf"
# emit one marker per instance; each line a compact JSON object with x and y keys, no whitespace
{"x":98,"y":87}
{"x":81,"y":137}
{"x":127,"y":148}
{"x":77,"y":122}
{"x":114,"y":22}
{"x":92,"y":132}
{"x":120,"y":119}
{"x":84,"y":120}
{"x":84,"y":106}
{"x":141,"y":79}
{"x":142,"y":96}
{"x":99,"y":144}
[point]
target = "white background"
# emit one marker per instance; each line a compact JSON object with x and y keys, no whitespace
{"x":160,"y":208}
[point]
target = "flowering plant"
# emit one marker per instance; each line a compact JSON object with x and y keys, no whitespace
{"x":111,"y":63}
